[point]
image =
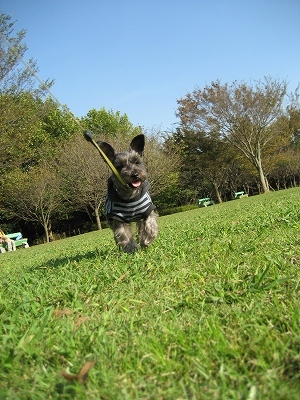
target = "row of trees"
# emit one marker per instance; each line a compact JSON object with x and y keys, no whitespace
{"x":229,"y":138}
{"x":239,"y":136}
{"x":51,"y":174}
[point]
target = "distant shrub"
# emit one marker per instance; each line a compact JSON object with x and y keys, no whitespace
{"x":175,"y":210}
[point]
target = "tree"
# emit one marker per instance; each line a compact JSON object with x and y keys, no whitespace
{"x":163,"y":165}
{"x":58,"y":123}
{"x":33,"y":196}
{"x":15,"y":78}
{"x":109,"y":123}
{"x":11,"y":51}
{"x":20,"y":126}
{"x":240,"y":113}
{"x":205,"y":159}
{"x":84,"y":175}
{"x":293,"y":110}
{"x":31,"y":130}
{"x":286,"y":169}
{"x":21,"y":105}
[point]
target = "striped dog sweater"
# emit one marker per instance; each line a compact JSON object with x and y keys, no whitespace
{"x":131,"y":210}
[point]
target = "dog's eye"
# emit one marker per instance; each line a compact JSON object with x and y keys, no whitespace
{"x":120,"y":166}
{"x":135,"y":160}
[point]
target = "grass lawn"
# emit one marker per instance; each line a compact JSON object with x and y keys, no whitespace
{"x":209,"y":311}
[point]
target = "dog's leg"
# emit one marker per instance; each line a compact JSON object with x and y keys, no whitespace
{"x":123,"y":236}
{"x":147,"y":230}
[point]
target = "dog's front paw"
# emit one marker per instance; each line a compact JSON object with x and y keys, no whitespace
{"x":130,"y":247}
{"x":147,"y":230}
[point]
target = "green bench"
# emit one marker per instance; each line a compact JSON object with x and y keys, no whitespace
{"x":18,"y":242}
{"x":240,"y":195}
{"x":206,"y":201}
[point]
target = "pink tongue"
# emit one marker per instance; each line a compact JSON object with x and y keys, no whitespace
{"x":136,"y":184}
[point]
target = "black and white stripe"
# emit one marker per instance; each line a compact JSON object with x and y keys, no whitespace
{"x":129,"y":211}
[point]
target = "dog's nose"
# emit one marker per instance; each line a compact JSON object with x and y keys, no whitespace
{"x":134,"y":175}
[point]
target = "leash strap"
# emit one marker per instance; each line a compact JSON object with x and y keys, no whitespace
{"x":89,"y":138}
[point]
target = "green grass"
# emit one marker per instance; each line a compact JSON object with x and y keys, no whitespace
{"x":210,"y":311}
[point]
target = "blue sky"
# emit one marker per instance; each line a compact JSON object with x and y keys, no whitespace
{"x":139,"y":56}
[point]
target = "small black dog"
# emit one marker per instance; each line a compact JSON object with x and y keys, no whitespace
{"x":130,"y":203}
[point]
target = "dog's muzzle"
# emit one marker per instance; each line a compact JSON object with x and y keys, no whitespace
{"x":136,"y":182}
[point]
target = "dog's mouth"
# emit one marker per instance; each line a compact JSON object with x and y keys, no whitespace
{"x":136,"y":183}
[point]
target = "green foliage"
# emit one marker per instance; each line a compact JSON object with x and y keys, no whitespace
{"x":294,"y":122}
{"x":210,"y":310}
{"x":31,"y":130}
{"x":166,"y":192}
{"x":109,"y":123}
{"x":59,"y":124}
{"x":206,"y":158}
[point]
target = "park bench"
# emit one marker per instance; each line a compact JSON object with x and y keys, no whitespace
{"x":240,"y":195}
{"x":206,"y":201}
{"x":18,"y":239}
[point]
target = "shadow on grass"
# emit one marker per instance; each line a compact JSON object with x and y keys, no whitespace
{"x":59,"y":262}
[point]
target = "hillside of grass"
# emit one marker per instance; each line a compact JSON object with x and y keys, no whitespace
{"x":209,"y":311}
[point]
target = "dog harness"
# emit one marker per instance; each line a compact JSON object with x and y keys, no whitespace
{"x":131,"y":210}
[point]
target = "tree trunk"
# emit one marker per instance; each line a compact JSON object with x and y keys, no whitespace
{"x":50,"y":233}
{"x":96,"y":210}
{"x":219,"y":198}
{"x":46,"y":232}
{"x":262,"y":178}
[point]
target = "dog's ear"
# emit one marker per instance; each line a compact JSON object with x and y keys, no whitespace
{"x":107,"y":149}
{"x":138,"y":143}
